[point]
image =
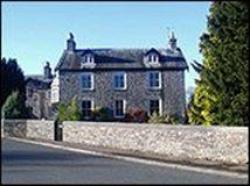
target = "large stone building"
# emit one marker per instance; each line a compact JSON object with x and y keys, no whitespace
{"x":38,"y":93}
{"x":122,"y":79}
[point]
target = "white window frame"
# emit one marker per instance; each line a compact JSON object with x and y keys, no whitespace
{"x":160,"y":80}
{"x":124,"y":109}
{"x":92,"y":83}
{"x":153,"y":58}
{"x":88,"y":58}
{"x":124,"y":74}
{"x":160,"y":106}
{"x":91,"y":107}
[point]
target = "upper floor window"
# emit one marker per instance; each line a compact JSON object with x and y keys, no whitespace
{"x":153,"y":58}
{"x":120,"y":80}
{"x":154,"y":79}
{"x":87,"y":81}
{"x":88,"y":58}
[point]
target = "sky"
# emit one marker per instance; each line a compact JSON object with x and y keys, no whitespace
{"x":36,"y":32}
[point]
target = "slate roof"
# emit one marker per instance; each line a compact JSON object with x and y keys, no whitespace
{"x":121,"y":58}
{"x":39,"y":81}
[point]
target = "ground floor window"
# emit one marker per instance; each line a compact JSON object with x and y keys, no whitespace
{"x":86,"y":109}
{"x":154,"y":106}
{"x":119,"y":108}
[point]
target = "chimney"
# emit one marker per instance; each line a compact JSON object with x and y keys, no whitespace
{"x":47,"y":71}
{"x":172,"y":42}
{"x":71,"y":44}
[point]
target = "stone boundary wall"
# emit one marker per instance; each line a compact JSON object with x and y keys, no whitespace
{"x":227,"y":145}
{"x":39,"y":129}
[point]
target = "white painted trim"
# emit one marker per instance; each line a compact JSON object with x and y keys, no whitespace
{"x":92,"y":106}
{"x":92,"y":79}
{"x":148,"y":80}
{"x":160,"y":107}
{"x":125,"y":80}
{"x":124,"y":108}
{"x":89,"y":62}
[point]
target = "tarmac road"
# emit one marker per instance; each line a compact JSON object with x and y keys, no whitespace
{"x":26,"y":163}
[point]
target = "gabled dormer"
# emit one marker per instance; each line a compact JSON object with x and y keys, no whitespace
{"x":88,"y":59}
{"x":152,"y":58}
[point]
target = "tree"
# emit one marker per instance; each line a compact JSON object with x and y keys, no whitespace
{"x":14,"y":107}
{"x":12,"y":79}
{"x":221,"y":95}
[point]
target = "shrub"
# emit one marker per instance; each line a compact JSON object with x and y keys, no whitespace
{"x":156,"y":118}
{"x":136,"y":115}
{"x":73,"y":110}
{"x":68,"y":112}
{"x":165,"y":118}
{"x":102,"y":114}
{"x":14,"y":107}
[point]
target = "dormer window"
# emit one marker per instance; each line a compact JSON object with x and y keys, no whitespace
{"x":88,"y":58}
{"x":153,"y":58}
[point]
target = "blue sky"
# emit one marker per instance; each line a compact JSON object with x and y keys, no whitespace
{"x":35,"y":32}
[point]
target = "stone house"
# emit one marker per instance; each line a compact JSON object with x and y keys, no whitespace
{"x":38,"y":93}
{"x":122,"y":79}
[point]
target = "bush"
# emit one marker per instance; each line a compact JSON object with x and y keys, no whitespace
{"x":136,"y":115}
{"x":14,"y":107}
{"x":70,"y":112}
{"x":102,"y":114}
{"x":165,"y":118}
{"x":156,"y":118}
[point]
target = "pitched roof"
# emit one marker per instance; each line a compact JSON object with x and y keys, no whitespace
{"x":107,"y":58}
{"x":39,"y":81}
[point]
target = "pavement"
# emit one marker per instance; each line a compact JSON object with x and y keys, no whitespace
{"x":31,"y":162}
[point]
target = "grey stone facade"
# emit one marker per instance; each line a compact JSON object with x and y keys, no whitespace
{"x":38,"y":94}
{"x":137,"y":94}
{"x":170,"y":63}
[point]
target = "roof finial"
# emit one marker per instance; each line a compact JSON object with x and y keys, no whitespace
{"x":168,"y":30}
{"x":172,"y":35}
{"x":71,"y":35}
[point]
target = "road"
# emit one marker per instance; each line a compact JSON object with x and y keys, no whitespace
{"x":35,"y":164}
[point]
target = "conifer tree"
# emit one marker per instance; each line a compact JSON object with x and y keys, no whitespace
{"x":221,"y":95}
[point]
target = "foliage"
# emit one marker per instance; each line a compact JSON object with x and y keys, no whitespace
{"x":136,"y":115}
{"x":12,"y":79}
{"x":165,"y":118}
{"x":102,"y":114}
{"x":14,"y":107}
{"x":69,"y":112}
{"x":156,"y":118}
{"x":221,"y":95}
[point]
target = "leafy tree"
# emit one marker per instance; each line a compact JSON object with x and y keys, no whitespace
{"x":221,"y":95}
{"x":14,"y":107}
{"x":12,"y":79}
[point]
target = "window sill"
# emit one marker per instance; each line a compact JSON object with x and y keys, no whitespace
{"x":119,"y":117}
{"x":120,"y":89}
{"x":154,"y":88}
{"x":87,"y":89}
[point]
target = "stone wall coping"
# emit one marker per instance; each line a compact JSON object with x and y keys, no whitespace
{"x":155,"y":126}
{"x":27,"y":121}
